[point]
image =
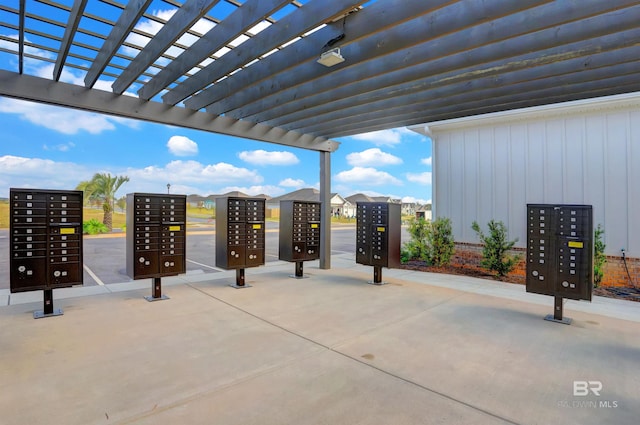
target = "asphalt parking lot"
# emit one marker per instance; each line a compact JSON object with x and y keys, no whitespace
{"x":105,"y":255}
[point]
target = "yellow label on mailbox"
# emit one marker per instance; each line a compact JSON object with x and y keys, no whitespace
{"x":314,"y":226}
{"x":174,"y":228}
{"x":257,"y":226}
{"x":576,"y":244}
{"x":381,"y":229}
{"x":67,"y":231}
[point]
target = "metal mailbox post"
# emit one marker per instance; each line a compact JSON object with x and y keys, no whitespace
{"x":299,"y":238}
{"x":378,"y":236}
{"x":156,"y":238}
{"x":240,"y":235}
{"x":560,"y":253}
{"x":46,"y":242}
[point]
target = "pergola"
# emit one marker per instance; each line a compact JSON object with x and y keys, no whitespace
{"x":249,"y":68}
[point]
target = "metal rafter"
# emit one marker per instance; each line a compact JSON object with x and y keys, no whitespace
{"x":179,"y":23}
{"x":72,"y":25}
{"x":407,"y":61}
{"x":284,"y":30}
{"x":120,"y":31}
{"x":42,"y":90}
{"x":243,"y":87}
{"x":21,"y":37}
{"x":517,"y":30}
{"x":544,"y":49}
{"x":242,"y":19}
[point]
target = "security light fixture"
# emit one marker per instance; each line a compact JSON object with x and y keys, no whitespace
{"x":331,"y":57}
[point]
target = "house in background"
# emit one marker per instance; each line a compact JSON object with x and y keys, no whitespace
{"x":339,"y":206}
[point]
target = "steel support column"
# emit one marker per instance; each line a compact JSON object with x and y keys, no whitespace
{"x":325,"y":210}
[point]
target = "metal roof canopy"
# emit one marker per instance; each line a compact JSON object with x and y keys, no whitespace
{"x":248,"y":68}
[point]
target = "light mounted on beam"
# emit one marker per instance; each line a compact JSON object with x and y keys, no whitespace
{"x":331,"y":57}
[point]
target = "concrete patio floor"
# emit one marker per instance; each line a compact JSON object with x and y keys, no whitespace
{"x":328,"y":349}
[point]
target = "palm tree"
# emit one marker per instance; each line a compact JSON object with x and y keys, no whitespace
{"x":102,"y":188}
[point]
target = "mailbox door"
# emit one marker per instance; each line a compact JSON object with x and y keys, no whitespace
{"x":541,"y":249}
{"x":363,"y":239}
{"x":255,"y":244}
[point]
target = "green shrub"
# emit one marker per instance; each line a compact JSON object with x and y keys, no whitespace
{"x":93,"y":227}
{"x":496,"y":246}
{"x":439,"y":242}
{"x":599,"y":259}
{"x":416,"y":248}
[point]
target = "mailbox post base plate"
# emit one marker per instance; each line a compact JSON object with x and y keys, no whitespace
{"x":41,"y":314}
{"x":150,"y":298}
{"x":564,"y":320}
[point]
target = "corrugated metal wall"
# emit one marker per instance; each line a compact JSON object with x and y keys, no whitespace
{"x":491,"y":168}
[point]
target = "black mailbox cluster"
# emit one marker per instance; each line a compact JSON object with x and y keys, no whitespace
{"x":560,"y":251}
{"x":378,"y":235}
{"x":46,"y":242}
{"x":156,"y":235}
{"x":240,"y":234}
{"x":46,"y":239}
{"x":299,"y":238}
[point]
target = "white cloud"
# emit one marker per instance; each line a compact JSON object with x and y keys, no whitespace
{"x":420,"y":178}
{"x":62,"y":120}
{"x":63,"y":147}
{"x":182,"y":146}
{"x":262,"y":157}
{"x":426,"y":161}
{"x":295,"y":183}
{"x":373,"y":156}
{"x":411,"y":199}
{"x":382,"y":137}
{"x":366,"y":176}
{"x":16,"y":171}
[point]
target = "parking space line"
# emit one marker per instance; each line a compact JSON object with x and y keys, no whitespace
{"x":205,"y":265}
{"x":93,"y":275}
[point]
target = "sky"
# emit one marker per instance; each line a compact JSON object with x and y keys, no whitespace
{"x":48,"y":147}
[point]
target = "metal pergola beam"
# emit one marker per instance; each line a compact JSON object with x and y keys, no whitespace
{"x":366,"y":57}
{"x":497,"y":39}
{"x":242,"y":88}
{"x":240,"y":20}
{"x":538,"y":64}
{"x":119,"y":32}
{"x":43,"y":90}
{"x":72,"y":26}
{"x":294,"y":24}
{"x":178,"y":24}
{"x":514,"y":96}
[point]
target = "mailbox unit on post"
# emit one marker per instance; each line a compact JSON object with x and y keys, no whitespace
{"x":378,"y":236}
{"x":240,"y":234}
{"x":299,"y":238}
{"x":560,"y":253}
{"x":46,"y":242}
{"x":156,"y":237}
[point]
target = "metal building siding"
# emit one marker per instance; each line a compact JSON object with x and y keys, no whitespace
{"x":492,"y":170}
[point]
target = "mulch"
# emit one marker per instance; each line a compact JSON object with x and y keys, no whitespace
{"x":624,"y":293}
